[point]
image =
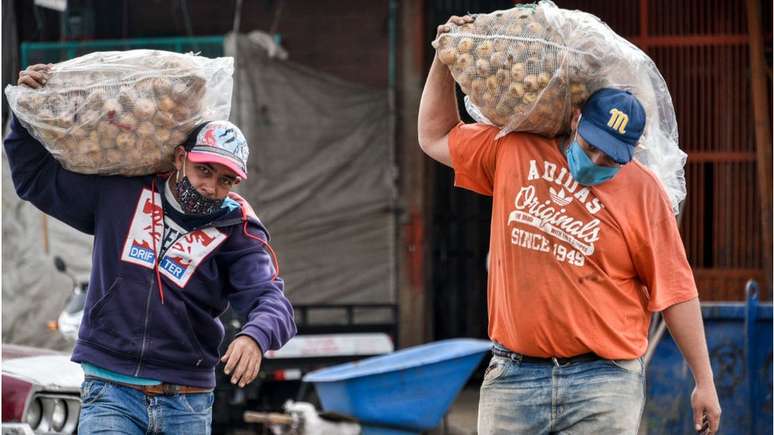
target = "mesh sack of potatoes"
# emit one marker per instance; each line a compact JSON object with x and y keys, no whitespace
{"x":123,"y":112}
{"x":527,"y":68}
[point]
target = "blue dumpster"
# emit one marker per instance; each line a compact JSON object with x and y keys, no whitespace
{"x":408,"y":390}
{"x":739,"y":337}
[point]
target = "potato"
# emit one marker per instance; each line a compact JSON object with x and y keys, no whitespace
{"x":179,"y":91}
{"x":492,"y":85}
{"x":445,"y":41}
{"x":46,"y":115}
{"x":489,"y":98}
{"x":112,"y":157}
{"x":503,"y":77}
{"x":107,"y":131}
{"x":502,"y":44}
{"x":535,"y":28}
{"x":464,"y":61}
{"x":478,"y":86}
{"x":465,"y":45}
{"x":181,"y":113}
{"x":144,"y":109}
{"x":483,"y":68}
{"x":112,"y":107}
{"x":127,"y":121}
{"x":68,"y":143}
{"x":89,"y":146}
{"x":162,"y":135}
{"x":531,"y":82}
{"x":145,"y":129}
{"x":145,"y":88}
{"x":126,"y":140}
{"x":88,"y":119}
{"x":516,"y":90}
{"x":50,"y":135}
{"x":189,"y":89}
{"x":447,"y":56}
{"x":518,"y":72}
{"x":128,"y":97}
{"x":484,"y":49}
{"x":499,"y":59}
{"x":56,"y":103}
{"x":543,"y":79}
{"x":177,"y":137}
{"x":78,"y":132}
{"x":503,"y":109}
{"x":164,"y":119}
{"x":96,"y":99}
{"x":93,"y":136}
{"x":465,"y":78}
{"x":137,"y":153}
{"x":514,"y":29}
{"x":63,"y":121}
{"x":167,"y":104}
{"x":162,"y":86}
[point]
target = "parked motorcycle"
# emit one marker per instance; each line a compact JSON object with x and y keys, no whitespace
{"x":70,"y":318}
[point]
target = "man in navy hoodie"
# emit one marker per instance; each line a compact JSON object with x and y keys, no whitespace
{"x":171,"y":252}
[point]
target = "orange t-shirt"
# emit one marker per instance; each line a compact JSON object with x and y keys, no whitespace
{"x":573,"y":269}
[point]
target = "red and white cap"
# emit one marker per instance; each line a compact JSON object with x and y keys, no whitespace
{"x":219,"y":142}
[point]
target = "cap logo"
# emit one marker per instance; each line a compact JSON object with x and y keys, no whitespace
{"x":618,"y":120}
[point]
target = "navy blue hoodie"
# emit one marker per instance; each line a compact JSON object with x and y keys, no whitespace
{"x":126,"y":327}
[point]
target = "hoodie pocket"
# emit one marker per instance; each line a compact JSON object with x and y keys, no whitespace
{"x":174,"y":340}
{"x":115,"y":320}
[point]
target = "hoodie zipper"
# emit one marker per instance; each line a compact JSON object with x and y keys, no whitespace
{"x":145,"y":330}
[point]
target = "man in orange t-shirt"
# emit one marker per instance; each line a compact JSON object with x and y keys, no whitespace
{"x":584,"y":248}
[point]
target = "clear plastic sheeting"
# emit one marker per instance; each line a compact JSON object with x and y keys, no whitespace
{"x":123,"y":112}
{"x":528,"y":68}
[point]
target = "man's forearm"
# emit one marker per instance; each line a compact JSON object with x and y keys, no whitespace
{"x":687,"y":328}
{"x":438,"y":112}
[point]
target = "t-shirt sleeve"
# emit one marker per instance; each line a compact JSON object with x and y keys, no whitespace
{"x":662,"y":263}
{"x":473,"y":150}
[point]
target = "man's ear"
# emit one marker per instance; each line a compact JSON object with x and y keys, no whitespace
{"x":575,"y":117}
{"x":179,"y":157}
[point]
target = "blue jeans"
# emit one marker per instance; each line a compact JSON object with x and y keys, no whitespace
{"x":594,"y":396}
{"x":115,"y":409}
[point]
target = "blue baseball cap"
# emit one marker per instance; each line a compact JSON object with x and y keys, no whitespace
{"x":612,"y":120}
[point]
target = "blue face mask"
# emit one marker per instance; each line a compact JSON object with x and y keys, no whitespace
{"x":583,"y":170}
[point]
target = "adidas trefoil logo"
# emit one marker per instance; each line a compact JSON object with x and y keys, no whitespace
{"x":559,"y":197}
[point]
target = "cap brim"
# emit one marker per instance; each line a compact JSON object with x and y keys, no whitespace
{"x":618,"y":150}
{"x":200,"y":157}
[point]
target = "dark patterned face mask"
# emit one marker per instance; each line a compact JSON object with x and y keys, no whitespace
{"x":193,"y":202}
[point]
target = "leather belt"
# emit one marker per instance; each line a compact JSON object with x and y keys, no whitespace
{"x":558,"y":361}
{"x":159,"y":389}
{"x":169,"y":389}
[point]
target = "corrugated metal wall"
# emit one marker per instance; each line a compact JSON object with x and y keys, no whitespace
{"x":701,"y":48}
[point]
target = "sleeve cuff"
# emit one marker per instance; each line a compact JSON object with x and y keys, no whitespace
{"x":683,"y":297}
{"x":257,"y":335}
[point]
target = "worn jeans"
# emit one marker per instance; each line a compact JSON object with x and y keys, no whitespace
{"x":594,"y":396}
{"x":114,"y":409}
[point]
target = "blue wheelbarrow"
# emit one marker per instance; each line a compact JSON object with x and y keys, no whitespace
{"x":405,"y":392}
